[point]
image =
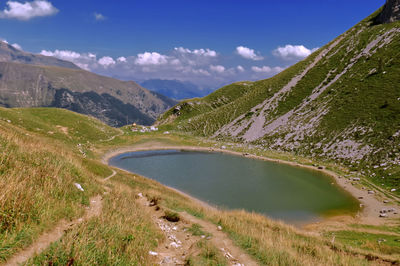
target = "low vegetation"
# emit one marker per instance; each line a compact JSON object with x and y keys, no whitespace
{"x":49,"y":165}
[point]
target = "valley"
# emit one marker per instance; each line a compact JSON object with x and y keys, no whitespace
{"x":302,"y":168}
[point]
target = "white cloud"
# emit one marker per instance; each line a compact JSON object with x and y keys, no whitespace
{"x":151,"y":59}
{"x":106,"y":61}
{"x":17,"y":46}
{"x":248,"y":53}
{"x":267,"y":69}
{"x":264,"y":69}
{"x":197,"y":66}
{"x":121,"y":59}
{"x":290,"y":52}
{"x":62,"y":54}
{"x":85,"y":61}
{"x":28,"y":10}
{"x":99,"y":17}
{"x":218,"y":68}
{"x":200,"y":52}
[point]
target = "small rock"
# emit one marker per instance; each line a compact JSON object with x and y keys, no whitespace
{"x":8,"y":121}
{"x":371,"y":192}
{"x":203,"y":236}
{"x":153,"y":253}
{"x":175,"y":245}
{"x":140,"y":195}
{"x":219,"y":228}
{"x":166,"y":260}
{"x":78,"y":186}
{"x":383,"y":215}
{"x":356,"y":179}
{"x":393,"y":190}
{"x":385,"y":201}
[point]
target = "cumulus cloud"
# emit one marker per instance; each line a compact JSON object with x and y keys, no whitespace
{"x":267,"y":69}
{"x":199,"y":52}
{"x":83,"y":60}
{"x":62,"y":54}
{"x":248,"y":53}
{"x":240,"y":68}
{"x":28,"y":10}
{"x":151,"y":59}
{"x":16,"y":46}
{"x":218,"y":68}
{"x":99,"y":16}
{"x":290,"y":52}
{"x":106,"y":61}
{"x":203,"y":67}
{"x":121,"y":59}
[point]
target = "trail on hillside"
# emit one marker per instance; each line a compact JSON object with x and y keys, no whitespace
{"x":55,"y":234}
{"x":180,"y":244}
{"x":45,"y":240}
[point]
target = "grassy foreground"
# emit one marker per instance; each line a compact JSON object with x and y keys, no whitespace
{"x":45,"y":151}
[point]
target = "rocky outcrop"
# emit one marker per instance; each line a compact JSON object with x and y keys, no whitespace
{"x":390,"y":12}
{"x":114,"y":102}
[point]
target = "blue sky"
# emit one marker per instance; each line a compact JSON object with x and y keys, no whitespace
{"x":196,"y":41}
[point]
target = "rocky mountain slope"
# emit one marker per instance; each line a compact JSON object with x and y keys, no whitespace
{"x":9,"y":53}
{"x":115,"y":102}
{"x":390,"y":12}
{"x":342,"y":103}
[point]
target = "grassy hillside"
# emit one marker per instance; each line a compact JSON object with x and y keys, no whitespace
{"x":341,"y":104}
{"x":46,"y":151}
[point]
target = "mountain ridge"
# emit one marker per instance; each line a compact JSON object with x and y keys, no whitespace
{"x":341,"y":103}
{"x":115,"y":102}
{"x":9,"y":53}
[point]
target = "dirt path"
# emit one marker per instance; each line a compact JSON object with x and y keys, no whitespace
{"x":180,"y":244}
{"x":113,"y":137}
{"x":55,"y":234}
{"x":110,"y":176}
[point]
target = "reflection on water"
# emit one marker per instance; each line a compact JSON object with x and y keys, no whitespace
{"x":295,"y":195}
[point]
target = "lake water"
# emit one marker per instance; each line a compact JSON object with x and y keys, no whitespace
{"x":293,"y":194}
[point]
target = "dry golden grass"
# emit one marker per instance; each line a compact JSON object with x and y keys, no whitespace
{"x":37,"y":174}
{"x":122,"y":235}
{"x":37,"y":188}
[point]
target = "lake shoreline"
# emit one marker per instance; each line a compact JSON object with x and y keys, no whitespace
{"x":369,"y":214}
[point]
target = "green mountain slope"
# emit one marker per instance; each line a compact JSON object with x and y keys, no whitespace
{"x":342,"y":103}
{"x":45,"y":151}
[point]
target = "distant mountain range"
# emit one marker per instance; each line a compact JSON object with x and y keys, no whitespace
{"x":28,"y":80}
{"x":175,"y":89}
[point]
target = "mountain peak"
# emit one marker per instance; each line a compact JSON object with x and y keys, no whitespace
{"x":390,"y":12}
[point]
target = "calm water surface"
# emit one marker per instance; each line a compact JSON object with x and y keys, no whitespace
{"x":295,"y":195}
